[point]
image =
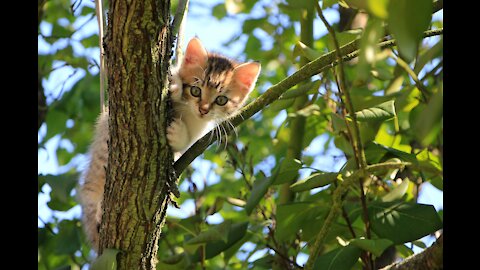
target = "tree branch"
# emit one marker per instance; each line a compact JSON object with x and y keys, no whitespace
{"x":337,"y":202}
{"x":322,"y":63}
{"x":431,"y":258}
{"x":182,"y":9}
{"x":100,"y":21}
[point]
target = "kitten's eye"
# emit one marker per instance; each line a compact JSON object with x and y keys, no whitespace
{"x":221,"y":100}
{"x":195,"y":91}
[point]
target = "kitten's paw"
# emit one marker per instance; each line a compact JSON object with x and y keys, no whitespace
{"x":177,"y":135}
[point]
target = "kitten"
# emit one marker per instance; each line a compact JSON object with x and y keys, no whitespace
{"x":205,"y":89}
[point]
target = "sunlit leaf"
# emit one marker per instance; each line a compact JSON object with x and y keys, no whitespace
{"x":368,"y":49}
{"x":313,"y":181}
{"x":403,"y":222}
{"x":380,"y":112}
{"x":218,"y":232}
{"x":409,"y":32}
{"x":106,"y":261}
{"x":397,"y":192}
{"x":301,"y":49}
{"x":342,"y":258}
{"x":375,"y":246}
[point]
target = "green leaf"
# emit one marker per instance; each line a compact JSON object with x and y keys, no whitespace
{"x":260,"y":187}
{"x":426,"y":120}
{"x":343,"y":258}
{"x":59,"y":31}
{"x":343,"y":38}
{"x":303,"y":4}
{"x":409,"y":32}
{"x":427,"y":56}
{"x":106,"y":261}
{"x":219,"y":11}
{"x":68,"y":237}
{"x":62,"y":186}
{"x":175,"y":262}
{"x":287,"y":171}
{"x":380,"y":112}
{"x":292,"y":217}
{"x":362,"y":98}
{"x":279,"y":105}
{"x":397,"y":192}
{"x":375,"y":246}
{"x":236,"y":232}
{"x":359,"y":4}
{"x":368,"y":49}
{"x":91,"y":41}
{"x":313,"y":181}
{"x":381,"y":73}
{"x":379,"y":8}
{"x":86,"y":10}
{"x":304,"y":89}
{"x":218,"y":232}
{"x":264,"y":262}
{"x":56,"y":123}
{"x":301,"y":49}
{"x":232,"y":251}
{"x":404,"y":251}
{"x":312,"y":109}
{"x":403,"y":222}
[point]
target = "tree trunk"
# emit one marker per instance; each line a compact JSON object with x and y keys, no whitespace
{"x":138,"y":47}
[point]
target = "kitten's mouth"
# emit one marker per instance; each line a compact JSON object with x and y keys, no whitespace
{"x":202,"y":116}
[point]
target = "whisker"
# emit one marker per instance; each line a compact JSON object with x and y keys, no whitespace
{"x":233,"y":127}
{"x":219,"y":135}
{"x":222,"y":138}
{"x":226,"y":136}
{"x":211,"y":135}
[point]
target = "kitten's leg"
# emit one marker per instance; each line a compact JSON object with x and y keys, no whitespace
{"x":91,"y":214}
{"x":177,"y":135}
{"x":91,"y":191}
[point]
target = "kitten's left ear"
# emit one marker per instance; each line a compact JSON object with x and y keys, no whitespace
{"x":246,"y":74}
{"x":195,"y":54}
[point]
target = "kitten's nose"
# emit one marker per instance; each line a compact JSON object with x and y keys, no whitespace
{"x":203,"y":109}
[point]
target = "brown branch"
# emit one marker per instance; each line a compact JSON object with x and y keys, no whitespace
{"x":285,"y":257}
{"x":431,"y":258}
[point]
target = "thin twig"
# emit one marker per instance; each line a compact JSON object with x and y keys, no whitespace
{"x":178,"y":27}
{"x":284,"y":256}
{"x":99,"y":11}
{"x":433,"y":71}
{"x":418,"y":83}
{"x":179,"y":14}
{"x":355,"y":139}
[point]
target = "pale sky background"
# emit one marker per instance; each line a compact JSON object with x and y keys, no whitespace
{"x":213,"y":34}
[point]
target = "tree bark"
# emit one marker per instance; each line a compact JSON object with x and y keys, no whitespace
{"x":138,"y":47}
{"x":431,"y":258}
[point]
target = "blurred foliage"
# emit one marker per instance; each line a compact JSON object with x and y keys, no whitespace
{"x":234,"y":189}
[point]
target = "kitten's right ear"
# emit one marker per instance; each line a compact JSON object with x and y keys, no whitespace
{"x":195,"y":54}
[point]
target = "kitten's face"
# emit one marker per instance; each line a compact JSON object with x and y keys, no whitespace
{"x":214,"y":87}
